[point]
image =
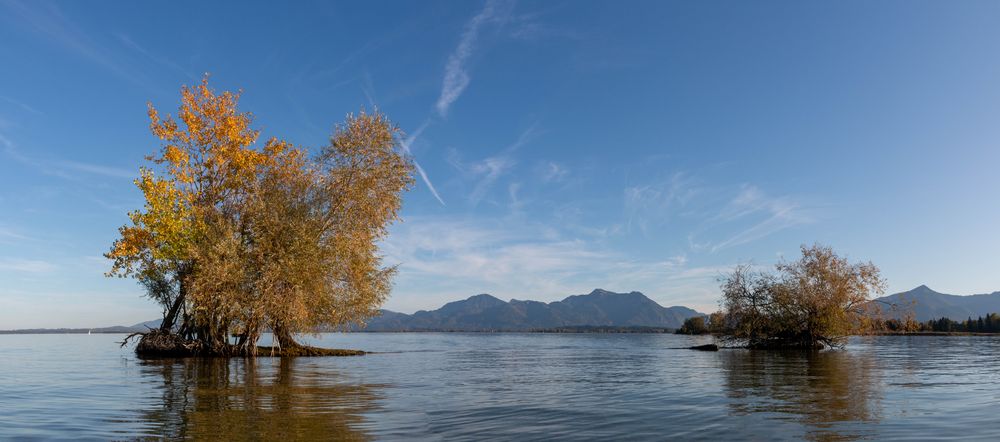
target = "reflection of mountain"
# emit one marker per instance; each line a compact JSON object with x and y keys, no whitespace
{"x":248,"y":399}
{"x":485,"y":312}
{"x":834,"y":394}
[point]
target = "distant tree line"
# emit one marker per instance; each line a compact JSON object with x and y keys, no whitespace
{"x":983,"y":324}
{"x":694,"y":325}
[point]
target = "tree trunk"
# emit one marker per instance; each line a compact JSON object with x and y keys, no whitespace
{"x":171,"y":318}
{"x":284,"y":337}
{"x":168,"y":321}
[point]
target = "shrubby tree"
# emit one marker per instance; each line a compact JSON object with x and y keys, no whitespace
{"x":694,"y":325}
{"x":237,"y":237}
{"x":717,"y":322}
{"x":814,"y":302}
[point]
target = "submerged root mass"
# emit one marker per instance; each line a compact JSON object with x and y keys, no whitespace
{"x":159,"y":343}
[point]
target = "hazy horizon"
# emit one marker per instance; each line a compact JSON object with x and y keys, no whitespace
{"x":707,"y":311}
{"x":561,"y":147}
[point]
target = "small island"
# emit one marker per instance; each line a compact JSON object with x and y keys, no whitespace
{"x":239,"y":237}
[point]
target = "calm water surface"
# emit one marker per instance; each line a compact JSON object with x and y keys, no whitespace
{"x":453,"y":386}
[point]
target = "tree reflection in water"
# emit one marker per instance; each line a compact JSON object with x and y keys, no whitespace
{"x":834,"y":394}
{"x":266,"y":399}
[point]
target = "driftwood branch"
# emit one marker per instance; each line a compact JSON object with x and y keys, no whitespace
{"x":127,"y":338}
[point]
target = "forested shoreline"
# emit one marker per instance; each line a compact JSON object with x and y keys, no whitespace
{"x":984,"y":325}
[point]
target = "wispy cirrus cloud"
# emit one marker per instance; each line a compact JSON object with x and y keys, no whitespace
{"x":445,"y":259}
{"x":59,"y":167}
{"x":553,"y":172}
{"x":405,"y":144}
{"x":98,"y":169}
{"x":456,"y":75}
{"x":22,"y":105}
{"x":10,"y":235}
{"x":48,"y":20}
{"x":651,"y":203}
{"x":717,"y":216}
{"x":162,"y":61}
{"x":516,"y":204}
{"x":456,"y":79}
{"x":487,"y":172}
{"x":753,"y":215}
{"x":484,"y":255}
{"x":8,"y":145}
{"x":368,"y":89}
{"x":25,"y":265}
{"x":777,"y":214}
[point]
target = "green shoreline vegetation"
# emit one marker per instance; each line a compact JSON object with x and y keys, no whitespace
{"x":982,"y":325}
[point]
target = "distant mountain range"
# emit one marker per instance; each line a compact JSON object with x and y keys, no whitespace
{"x":927,"y":304}
{"x":140,"y":327}
{"x":487,"y":313}
{"x":599,"y":310}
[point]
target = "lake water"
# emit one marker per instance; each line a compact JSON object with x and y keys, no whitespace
{"x":451,"y":386}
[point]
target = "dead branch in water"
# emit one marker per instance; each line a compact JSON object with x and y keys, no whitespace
{"x":127,"y":338}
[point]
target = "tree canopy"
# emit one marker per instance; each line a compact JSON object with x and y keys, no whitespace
{"x":694,"y":325}
{"x":237,"y":237}
{"x":817,"y":301}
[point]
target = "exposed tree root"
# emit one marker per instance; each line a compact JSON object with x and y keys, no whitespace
{"x":165,"y":344}
{"x":157,"y":343}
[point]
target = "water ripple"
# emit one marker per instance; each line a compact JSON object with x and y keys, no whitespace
{"x":505,"y":387}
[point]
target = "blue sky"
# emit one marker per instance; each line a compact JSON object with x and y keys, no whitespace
{"x":564,"y":145}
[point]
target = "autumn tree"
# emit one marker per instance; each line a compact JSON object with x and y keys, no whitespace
{"x":814,"y":302}
{"x":717,"y":322}
{"x":236,"y":238}
{"x":694,"y":325}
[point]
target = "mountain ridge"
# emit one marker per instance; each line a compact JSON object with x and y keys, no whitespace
{"x":484,"y":312}
{"x":600,"y":309}
{"x":140,"y":327}
{"x":926,"y":304}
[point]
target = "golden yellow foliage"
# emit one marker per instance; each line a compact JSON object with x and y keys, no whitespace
{"x":240,"y":238}
{"x":819,"y":300}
